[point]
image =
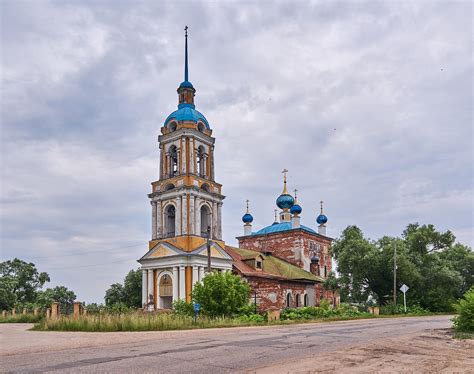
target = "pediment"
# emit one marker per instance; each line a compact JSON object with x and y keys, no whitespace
{"x":216,"y":251}
{"x":161,"y":250}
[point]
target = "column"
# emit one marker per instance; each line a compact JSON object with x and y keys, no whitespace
{"x":197,"y":218}
{"x":168,"y":169}
{"x":159,"y":220}
{"x":178,"y":166}
{"x":153,"y":219}
{"x":191,"y":215}
{"x":204,"y":165}
{"x":178,"y":216}
{"x":175,"y":283}
{"x":219,"y":220}
{"x":183,"y":163}
{"x":161,"y":162}
{"x":150,"y":284}
{"x":212,"y":163}
{"x":214,"y":220}
{"x":191,"y":170}
{"x":184,"y":206}
{"x":144,"y":287}
{"x":201,"y":273}
{"x":195,"y":275}
{"x":182,"y":283}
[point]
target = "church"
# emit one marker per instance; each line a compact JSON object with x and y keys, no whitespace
{"x":285,"y":263}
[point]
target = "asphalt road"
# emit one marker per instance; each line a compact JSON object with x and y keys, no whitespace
{"x":198,"y":351}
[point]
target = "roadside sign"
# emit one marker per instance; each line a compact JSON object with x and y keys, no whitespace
{"x":404,"y":288}
{"x":197,"y":307}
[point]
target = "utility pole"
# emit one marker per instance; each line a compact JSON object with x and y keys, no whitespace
{"x":208,"y":249}
{"x":395,"y":274}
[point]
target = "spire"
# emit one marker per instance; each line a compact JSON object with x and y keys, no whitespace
{"x":285,"y":191}
{"x":186,"y":54}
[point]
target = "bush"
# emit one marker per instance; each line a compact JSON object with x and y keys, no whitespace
{"x":314,"y":312}
{"x":390,"y":309}
{"x":258,"y":318}
{"x":221,"y":294}
{"x":465,"y":307}
{"x":182,"y":308}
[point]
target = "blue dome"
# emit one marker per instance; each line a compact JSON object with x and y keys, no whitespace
{"x":186,"y":112}
{"x":285,"y":201}
{"x":247,"y":218}
{"x":296,"y":209}
{"x":186,"y":84}
{"x":322,"y":219}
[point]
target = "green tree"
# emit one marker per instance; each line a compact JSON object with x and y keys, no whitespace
{"x":221,"y":294}
{"x":132,"y":289}
{"x":60,"y":294}
{"x":114,"y":295}
{"x":331,"y":283}
{"x":19,"y":283}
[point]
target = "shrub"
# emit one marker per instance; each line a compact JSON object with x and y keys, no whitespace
{"x":221,"y":294}
{"x":258,"y":318}
{"x":390,"y":309}
{"x":465,"y":307}
{"x":182,"y":308}
{"x":21,"y":318}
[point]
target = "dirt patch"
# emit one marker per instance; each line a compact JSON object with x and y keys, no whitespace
{"x":434,"y":351}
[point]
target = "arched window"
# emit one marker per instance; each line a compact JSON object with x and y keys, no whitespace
{"x":205,"y":219}
{"x":288,"y":300}
{"x":170,"y":218}
{"x":165,"y":291}
{"x":297,"y":300}
{"x":174,"y":160}
{"x":200,"y":160}
{"x":172,"y":126}
{"x":168,"y":187}
{"x":201,"y":127}
{"x":306,"y":300}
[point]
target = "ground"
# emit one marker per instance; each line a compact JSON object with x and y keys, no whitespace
{"x":420,"y":344}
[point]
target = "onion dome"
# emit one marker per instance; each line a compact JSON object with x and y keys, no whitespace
{"x":186,"y":108}
{"x":314,"y":259}
{"x":296,"y":209}
{"x":322,"y":219}
{"x":285,"y":200}
{"x":247,"y":217}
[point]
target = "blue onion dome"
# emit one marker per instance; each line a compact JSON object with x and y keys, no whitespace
{"x":186,"y":84}
{"x":322,"y":219}
{"x":285,"y":201}
{"x":247,"y":218}
{"x":296,"y":209}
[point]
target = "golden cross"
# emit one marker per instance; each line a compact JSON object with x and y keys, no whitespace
{"x":276,"y":211}
{"x":186,"y":30}
{"x":321,"y":202}
{"x":284,"y":174}
{"x":247,"y":201}
{"x":295,"y":192}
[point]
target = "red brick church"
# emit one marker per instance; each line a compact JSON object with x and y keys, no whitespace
{"x":285,"y":263}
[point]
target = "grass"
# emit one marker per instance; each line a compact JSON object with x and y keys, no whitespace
{"x":164,"y":322}
{"x":21,"y":318}
{"x":463,"y":335}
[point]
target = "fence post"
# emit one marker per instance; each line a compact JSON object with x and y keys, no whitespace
{"x":13,"y":312}
{"x":4,"y":313}
{"x":35,"y":311}
{"x":77,"y":309}
{"x":24,"y":311}
{"x":55,"y":310}
{"x":48,"y":313}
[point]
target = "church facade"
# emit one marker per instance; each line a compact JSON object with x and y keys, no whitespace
{"x":285,"y":263}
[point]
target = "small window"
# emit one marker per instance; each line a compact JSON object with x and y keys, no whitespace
{"x":259,"y":264}
{"x":325,"y":271}
{"x":306,"y":300}
{"x":297,"y":300}
{"x":172,"y":126}
{"x":288,"y":300}
{"x":201,"y":127}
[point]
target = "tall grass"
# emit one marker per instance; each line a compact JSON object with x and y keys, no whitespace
{"x":21,"y":318}
{"x":138,"y":322}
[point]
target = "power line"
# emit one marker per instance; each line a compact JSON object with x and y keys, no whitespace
{"x":92,"y":265}
{"x":78,"y":253}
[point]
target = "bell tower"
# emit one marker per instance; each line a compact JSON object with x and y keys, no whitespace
{"x":186,"y":200}
{"x":186,"y":206}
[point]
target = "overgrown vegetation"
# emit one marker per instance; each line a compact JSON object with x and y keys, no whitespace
{"x":343,"y":311}
{"x":21,"y":318}
{"x":437,"y":270}
{"x":128,"y":294}
{"x":464,"y":322}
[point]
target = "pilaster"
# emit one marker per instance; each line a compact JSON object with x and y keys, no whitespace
{"x":182,"y":283}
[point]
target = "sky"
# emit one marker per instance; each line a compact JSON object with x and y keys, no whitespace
{"x":367,"y":104}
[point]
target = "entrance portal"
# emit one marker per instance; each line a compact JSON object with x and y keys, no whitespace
{"x":166,"y":292}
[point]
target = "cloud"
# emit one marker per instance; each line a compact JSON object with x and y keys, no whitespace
{"x":369,"y":105}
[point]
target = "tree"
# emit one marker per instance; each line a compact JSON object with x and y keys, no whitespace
{"x":114,"y":295}
{"x":128,"y":294}
{"x":59,"y":294}
{"x":221,"y":294}
{"x":19,"y":283}
{"x":331,"y":283}
{"x":132,"y":289}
